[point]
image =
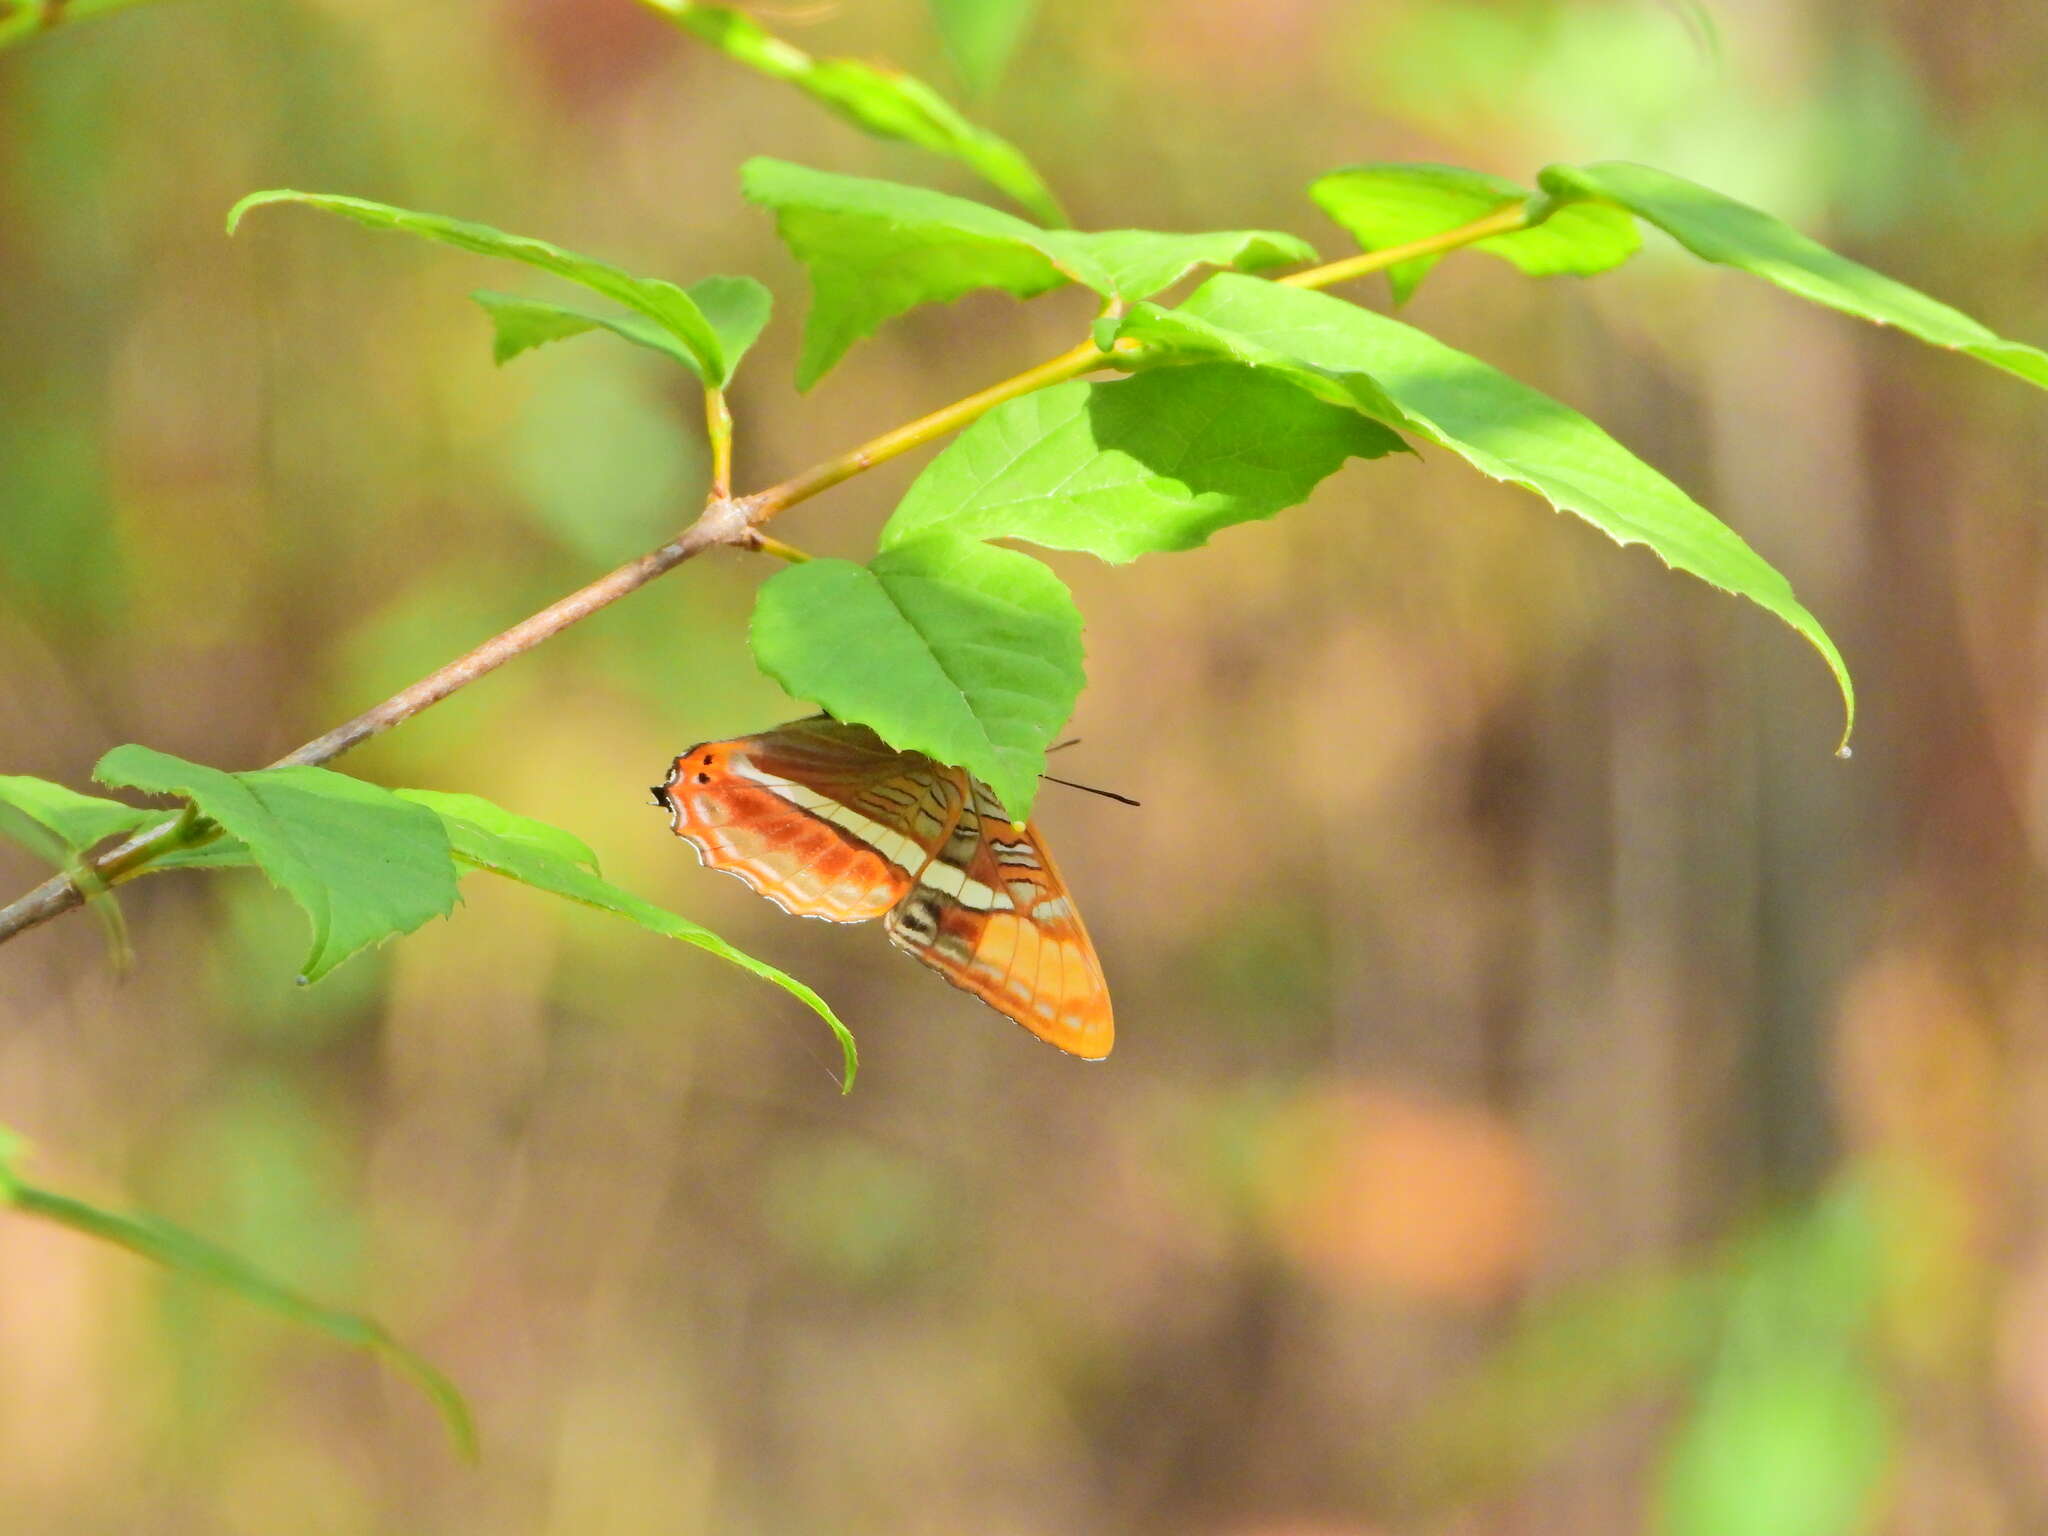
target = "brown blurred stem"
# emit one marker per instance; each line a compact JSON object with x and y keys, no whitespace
{"x":725,"y":520}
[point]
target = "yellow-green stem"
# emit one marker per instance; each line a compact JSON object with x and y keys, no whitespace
{"x":718,"y":427}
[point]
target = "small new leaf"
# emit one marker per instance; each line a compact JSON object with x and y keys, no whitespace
{"x":1122,"y":469}
{"x":488,"y":837}
{"x":1385,"y":205}
{"x":968,"y":653}
{"x":188,"y":1254}
{"x":1720,"y":229}
{"x":57,"y":823}
{"x":361,"y":863}
{"x":736,"y":307}
{"x":676,"y":312}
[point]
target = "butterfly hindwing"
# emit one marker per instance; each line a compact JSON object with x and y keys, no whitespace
{"x":991,"y":914}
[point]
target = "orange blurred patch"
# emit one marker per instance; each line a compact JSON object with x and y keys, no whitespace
{"x":1385,"y":1190}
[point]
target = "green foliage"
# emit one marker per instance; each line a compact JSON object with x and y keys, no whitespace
{"x":187,"y":1254}
{"x":1155,"y":462}
{"x":708,"y":341}
{"x":1720,"y":229}
{"x":1387,"y":205}
{"x":886,"y":103}
{"x":545,"y":857}
{"x":980,"y":35}
{"x":57,"y":823}
{"x":875,"y":249}
{"x":968,"y":653}
{"x":361,"y":863}
{"x":1499,"y":425}
{"x":736,"y":308}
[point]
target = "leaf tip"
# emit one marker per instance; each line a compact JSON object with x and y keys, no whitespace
{"x":255,"y":200}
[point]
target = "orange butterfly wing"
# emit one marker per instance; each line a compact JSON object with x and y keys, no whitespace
{"x":994,"y":918}
{"x":826,"y":820}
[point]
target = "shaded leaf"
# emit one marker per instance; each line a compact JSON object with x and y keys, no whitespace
{"x":188,"y":1254}
{"x":669,"y":307}
{"x":361,"y":863}
{"x":886,"y":103}
{"x":549,"y":859}
{"x":1720,"y":229}
{"x":980,"y":35}
{"x":1385,"y":205}
{"x":1120,"y":469}
{"x":1502,"y":427}
{"x":965,"y":652}
{"x":736,"y":307}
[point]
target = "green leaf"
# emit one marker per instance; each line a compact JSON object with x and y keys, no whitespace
{"x":1794,"y":1445}
{"x":57,"y":823}
{"x":1733,"y":234}
{"x":1136,"y":263}
{"x":965,"y":652}
{"x":1155,"y":462}
{"x":736,"y":307}
{"x":980,"y":35}
{"x":1386,"y":205}
{"x":1499,"y":425}
{"x":672,"y":309}
{"x":187,"y":1254}
{"x":875,"y":249}
{"x":362,"y":863}
{"x":885,"y":103}
{"x":547,"y":858}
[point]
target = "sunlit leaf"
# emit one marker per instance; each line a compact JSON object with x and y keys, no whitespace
{"x":1720,"y":229}
{"x":549,"y":859}
{"x":193,"y":1256}
{"x":965,"y":652}
{"x":363,"y":864}
{"x":1120,"y":469}
{"x":1392,"y":204}
{"x":736,"y":308}
{"x":886,"y":103}
{"x":58,"y":823}
{"x":1502,"y":427}
{"x":876,"y":248}
{"x":1793,"y":1445}
{"x":1137,"y":263}
{"x":675,"y":311}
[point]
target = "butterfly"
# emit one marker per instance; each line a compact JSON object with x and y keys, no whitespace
{"x":827,"y":820}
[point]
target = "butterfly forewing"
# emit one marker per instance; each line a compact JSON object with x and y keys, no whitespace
{"x":826,"y":820}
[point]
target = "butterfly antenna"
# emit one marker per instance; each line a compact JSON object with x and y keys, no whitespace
{"x":1107,"y":794}
{"x":1061,"y":746}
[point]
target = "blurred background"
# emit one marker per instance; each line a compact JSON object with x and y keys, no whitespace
{"x":1553,"y":1094}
